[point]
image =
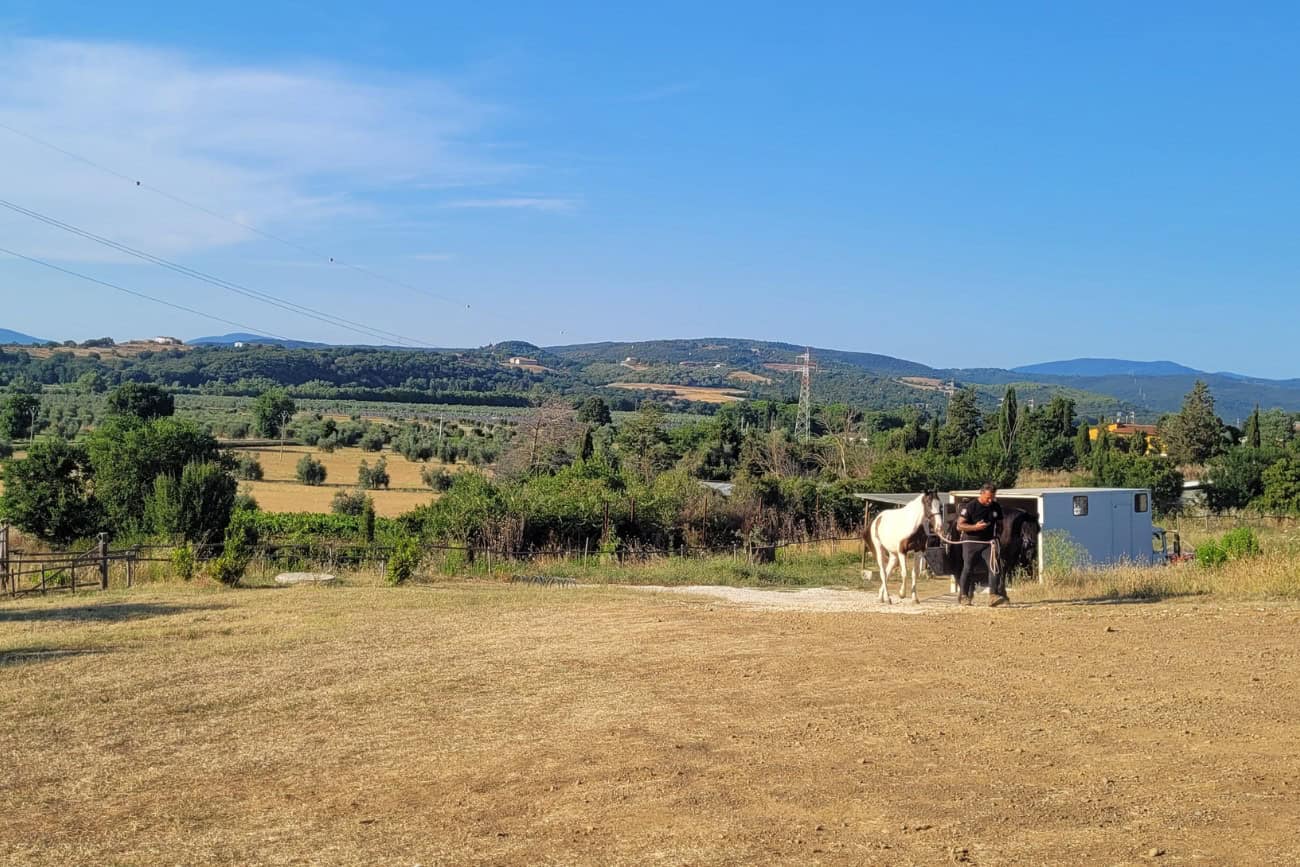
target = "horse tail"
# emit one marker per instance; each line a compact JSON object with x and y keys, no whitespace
{"x":877,"y":547}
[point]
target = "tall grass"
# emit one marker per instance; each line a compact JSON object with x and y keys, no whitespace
{"x":1272,"y":576}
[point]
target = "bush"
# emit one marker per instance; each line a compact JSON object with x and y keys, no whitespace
{"x":183,"y":562}
{"x":241,"y":540}
{"x":1061,"y":554}
{"x":369,"y":477}
{"x":372,"y":440}
{"x":349,"y":503}
{"x":310,"y":471}
{"x":196,"y":507}
{"x":248,"y":469}
{"x":436,"y":478}
{"x":246,"y":501}
{"x":368,"y":521}
{"x":404,"y":560}
{"x":1241,"y":543}
{"x":1211,"y":554}
{"x":226,"y":570}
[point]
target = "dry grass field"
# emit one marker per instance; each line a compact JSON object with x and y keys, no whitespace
{"x":702,"y":393}
{"x":496,"y":724}
{"x":340,"y":465}
{"x":280,"y":491}
{"x":746,"y":376}
{"x":293,"y":497}
{"x":129,"y":349}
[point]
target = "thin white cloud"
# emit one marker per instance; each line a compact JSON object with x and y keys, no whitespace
{"x":280,"y":148}
{"x":522,"y":203}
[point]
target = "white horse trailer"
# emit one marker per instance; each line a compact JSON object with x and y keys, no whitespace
{"x":1107,"y":526}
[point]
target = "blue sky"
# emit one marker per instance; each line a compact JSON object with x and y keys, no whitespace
{"x":955,"y":185}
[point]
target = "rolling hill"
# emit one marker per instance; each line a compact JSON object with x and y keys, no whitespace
{"x":244,"y":337}
{"x":17,"y":338}
{"x":1107,"y":367}
{"x":519,"y":373}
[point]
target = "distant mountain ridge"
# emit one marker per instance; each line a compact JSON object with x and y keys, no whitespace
{"x":17,"y":338}
{"x":1100,"y":386}
{"x":1109,"y":367}
{"x":244,"y":337}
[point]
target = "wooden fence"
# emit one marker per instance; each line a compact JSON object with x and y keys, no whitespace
{"x":28,"y":572}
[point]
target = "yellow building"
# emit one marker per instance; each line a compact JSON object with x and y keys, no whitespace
{"x":1122,"y":429}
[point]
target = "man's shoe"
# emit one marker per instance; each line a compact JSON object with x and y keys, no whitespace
{"x":963,"y":599}
{"x":995,"y":601}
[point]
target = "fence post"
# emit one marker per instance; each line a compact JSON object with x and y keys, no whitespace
{"x":4,"y":556}
{"x":103,"y":561}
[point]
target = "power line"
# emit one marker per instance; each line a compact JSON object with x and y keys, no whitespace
{"x":162,"y":301}
{"x":256,"y":294}
{"x":231,"y":220}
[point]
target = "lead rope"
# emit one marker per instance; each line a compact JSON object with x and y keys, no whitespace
{"x":995,"y":555}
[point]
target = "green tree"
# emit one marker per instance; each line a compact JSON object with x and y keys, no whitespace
{"x":466,"y":514}
{"x":1008,"y":421}
{"x":272,"y":411}
{"x":643,"y":442}
{"x":1194,"y":433}
{"x":1281,"y":482}
{"x":143,"y":400}
{"x":370,"y":478}
{"x":963,"y":425}
{"x":595,"y":411}
{"x":1236,"y":477}
{"x":18,"y":416}
{"x":1082,"y":444}
{"x":48,"y":493}
{"x":310,"y":471}
{"x":1138,"y":443}
{"x":195,"y":507}
{"x":1112,"y":468}
{"x":128,"y":454}
{"x":90,"y":382}
{"x":368,"y":521}
{"x":248,"y":468}
{"x":1276,"y":427}
{"x":1253,"y":435}
{"x":349,"y":503}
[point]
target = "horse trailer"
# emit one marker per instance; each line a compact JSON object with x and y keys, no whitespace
{"x":1087,"y":526}
{"x":1084,"y":527}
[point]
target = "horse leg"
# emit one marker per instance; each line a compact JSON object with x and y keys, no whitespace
{"x":916,"y":573}
{"x":886,"y":565}
{"x":903,"y":558}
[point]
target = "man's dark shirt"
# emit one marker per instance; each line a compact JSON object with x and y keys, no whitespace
{"x":974,"y":511}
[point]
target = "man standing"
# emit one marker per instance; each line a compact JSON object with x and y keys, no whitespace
{"x":978,"y":522}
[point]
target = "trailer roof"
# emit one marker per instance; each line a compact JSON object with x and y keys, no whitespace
{"x":1038,"y":492}
{"x":892,"y":499}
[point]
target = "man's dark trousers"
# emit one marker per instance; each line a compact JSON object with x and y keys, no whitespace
{"x":971,"y":553}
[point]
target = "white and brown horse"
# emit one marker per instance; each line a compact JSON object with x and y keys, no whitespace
{"x":898,"y":533}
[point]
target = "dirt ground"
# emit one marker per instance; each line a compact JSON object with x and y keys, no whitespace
{"x":495,"y":724}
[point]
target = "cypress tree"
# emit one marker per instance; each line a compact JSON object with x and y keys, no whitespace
{"x":1253,"y":439}
{"x":1082,"y":443}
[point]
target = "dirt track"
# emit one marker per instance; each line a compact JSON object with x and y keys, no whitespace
{"x":504,"y":726}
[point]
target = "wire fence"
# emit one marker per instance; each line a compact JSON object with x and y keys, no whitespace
{"x":102,"y":566}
